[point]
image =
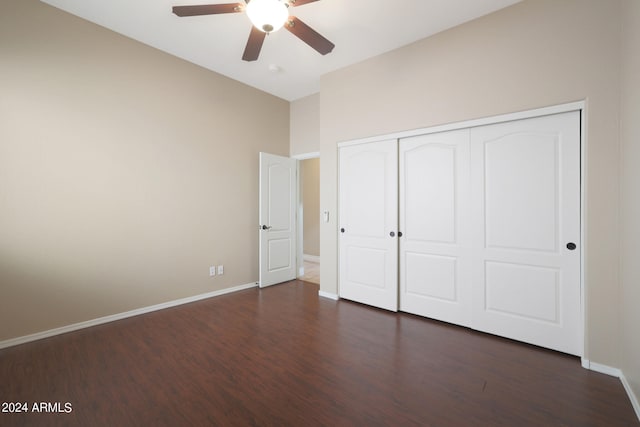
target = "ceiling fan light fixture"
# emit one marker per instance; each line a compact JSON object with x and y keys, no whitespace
{"x":268,"y":15}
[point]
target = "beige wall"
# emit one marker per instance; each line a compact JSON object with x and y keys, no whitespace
{"x":310,"y":178}
{"x":630,"y":194}
{"x":305,"y":125}
{"x":536,"y":53}
{"x":124,"y":172}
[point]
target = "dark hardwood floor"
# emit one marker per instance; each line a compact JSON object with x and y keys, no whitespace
{"x":282,"y":356}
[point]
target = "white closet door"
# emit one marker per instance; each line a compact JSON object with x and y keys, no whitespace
{"x":434,"y":220}
{"x":368,"y":221}
{"x":525,"y":179}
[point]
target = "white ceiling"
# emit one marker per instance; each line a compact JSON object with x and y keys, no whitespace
{"x":360,"y":29}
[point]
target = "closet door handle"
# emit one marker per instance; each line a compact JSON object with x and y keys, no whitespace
{"x":399,"y":233}
{"x":571,"y":246}
{"x":342,"y":230}
{"x":392,"y":234}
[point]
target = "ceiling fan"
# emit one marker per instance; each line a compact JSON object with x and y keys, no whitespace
{"x":266,"y":16}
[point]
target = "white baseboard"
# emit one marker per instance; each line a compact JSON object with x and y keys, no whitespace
{"x":615,"y":372}
{"x":632,"y":396}
{"x":329,"y":295}
{"x":311,"y":258}
{"x":112,"y":318}
{"x":585,"y":362}
{"x":603,"y":369}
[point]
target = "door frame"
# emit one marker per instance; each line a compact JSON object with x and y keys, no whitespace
{"x":580,"y":106}
{"x":299,"y":213}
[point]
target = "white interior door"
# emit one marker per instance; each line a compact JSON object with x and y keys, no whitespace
{"x":278,"y":193}
{"x":435,"y":274}
{"x":367,"y":222}
{"x":525,"y":179}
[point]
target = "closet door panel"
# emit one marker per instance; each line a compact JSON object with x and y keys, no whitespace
{"x":526,"y":213}
{"x":368,"y":215}
{"x":434,"y":194}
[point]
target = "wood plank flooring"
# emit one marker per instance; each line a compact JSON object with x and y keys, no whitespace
{"x":282,"y":356}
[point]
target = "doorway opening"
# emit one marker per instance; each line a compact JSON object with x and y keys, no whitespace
{"x":309,"y":213}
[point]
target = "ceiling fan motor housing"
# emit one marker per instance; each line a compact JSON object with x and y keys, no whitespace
{"x":268,"y":15}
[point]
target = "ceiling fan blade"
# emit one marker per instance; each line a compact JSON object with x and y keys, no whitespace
{"x":208,"y":9}
{"x":309,"y":35}
{"x":295,"y":3}
{"x":254,"y":44}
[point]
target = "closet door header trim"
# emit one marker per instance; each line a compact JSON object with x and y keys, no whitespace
{"x":538,"y":112}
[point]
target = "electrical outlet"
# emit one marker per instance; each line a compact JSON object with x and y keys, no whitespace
{"x":212,"y":271}
{"x":220,"y":270}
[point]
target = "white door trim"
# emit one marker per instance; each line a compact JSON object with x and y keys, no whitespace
{"x":526,"y":114}
{"x":491,"y":120}
{"x":307,"y":156}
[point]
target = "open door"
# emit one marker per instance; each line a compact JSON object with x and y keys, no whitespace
{"x":278,"y":194}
